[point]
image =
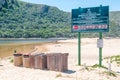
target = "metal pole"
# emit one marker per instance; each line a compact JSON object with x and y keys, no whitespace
{"x":100,"y":51}
{"x":79,"y":48}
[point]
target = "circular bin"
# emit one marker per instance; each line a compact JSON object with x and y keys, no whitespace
{"x":18,"y":59}
{"x":26,"y":60}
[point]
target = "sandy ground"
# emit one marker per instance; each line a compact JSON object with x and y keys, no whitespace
{"x":89,"y":56}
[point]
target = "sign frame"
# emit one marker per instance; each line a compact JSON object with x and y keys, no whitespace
{"x":91,"y":19}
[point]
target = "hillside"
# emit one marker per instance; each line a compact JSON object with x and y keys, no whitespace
{"x":8,"y":4}
{"x":115,"y":16}
{"x":114,"y":24}
{"x":33,"y":20}
{"x":26,"y":20}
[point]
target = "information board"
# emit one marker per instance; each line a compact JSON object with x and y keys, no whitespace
{"x":99,"y":43}
{"x":91,"y":19}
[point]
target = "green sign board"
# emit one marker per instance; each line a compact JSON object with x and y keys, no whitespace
{"x":92,"y":19}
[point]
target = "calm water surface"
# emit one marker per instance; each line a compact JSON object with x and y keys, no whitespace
{"x":7,"y":46}
{"x":10,"y":41}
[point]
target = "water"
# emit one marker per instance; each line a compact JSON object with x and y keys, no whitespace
{"x":9,"y":41}
{"x":7,"y":46}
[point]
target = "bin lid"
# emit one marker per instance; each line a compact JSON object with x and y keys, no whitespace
{"x":17,"y":54}
{"x":26,"y":55}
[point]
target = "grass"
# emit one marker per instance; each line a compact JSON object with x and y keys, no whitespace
{"x":111,"y":73}
{"x":11,"y":59}
{"x":89,"y":68}
{"x":115,"y":58}
{"x":97,"y":66}
{"x":59,"y":75}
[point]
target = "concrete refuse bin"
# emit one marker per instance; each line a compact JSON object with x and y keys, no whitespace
{"x":32,"y":61}
{"x":40,"y":61}
{"x":26,"y":60}
{"x":54,"y":62}
{"x":50,"y":61}
{"x":57,"y":61}
{"x":65,"y":61}
{"x":18,"y":59}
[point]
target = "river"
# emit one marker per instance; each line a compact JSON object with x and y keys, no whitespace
{"x":22,"y":41}
{"x":7,"y":46}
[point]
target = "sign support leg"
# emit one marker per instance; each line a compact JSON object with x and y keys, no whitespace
{"x":100,"y":51}
{"x":79,"y":48}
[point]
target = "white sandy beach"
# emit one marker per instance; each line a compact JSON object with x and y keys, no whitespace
{"x":89,"y":56}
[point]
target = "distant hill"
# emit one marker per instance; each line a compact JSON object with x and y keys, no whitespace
{"x":114,"y":24}
{"x":26,"y":20}
{"x":33,"y":20}
{"x":115,"y":16}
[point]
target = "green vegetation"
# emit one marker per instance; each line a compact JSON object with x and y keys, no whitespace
{"x":114,"y":59}
{"x":33,"y":20}
{"x":110,"y":73}
{"x":26,"y":20}
{"x":114,"y":16}
{"x":11,"y":59}
{"x":105,"y":71}
{"x":59,"y":75}
{"x":96,"y":66}
{"x":90,"y":68}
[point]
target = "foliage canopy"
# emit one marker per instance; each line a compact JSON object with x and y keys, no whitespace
{"x":26,"y":20}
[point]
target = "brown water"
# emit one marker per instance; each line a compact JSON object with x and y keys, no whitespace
{"x":8,"y":46}
{"x":8,"y":50}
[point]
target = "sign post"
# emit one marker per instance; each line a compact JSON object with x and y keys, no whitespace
{"x":100,"y":51}
{"x":91,"y":19}
{"x":79,"y":48}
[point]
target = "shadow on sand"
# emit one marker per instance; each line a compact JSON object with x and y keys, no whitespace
{"x":69,"y":72}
